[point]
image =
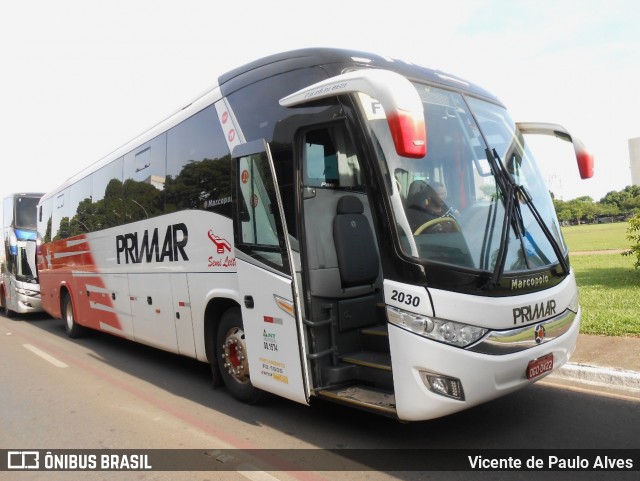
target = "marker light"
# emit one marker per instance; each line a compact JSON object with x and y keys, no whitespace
{"x":409,"y":133}
{"x":285,"y":304}
{"x":449,"y":332}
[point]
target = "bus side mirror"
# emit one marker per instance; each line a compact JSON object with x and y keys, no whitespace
{"x":583,"y":156}
{"x":398,"y":97}
{"x":585,"y":160}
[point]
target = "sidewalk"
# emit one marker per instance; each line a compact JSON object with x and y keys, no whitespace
{"x":604,"y":363}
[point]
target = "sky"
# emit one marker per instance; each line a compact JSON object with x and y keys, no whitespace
{"x":79,"y":79}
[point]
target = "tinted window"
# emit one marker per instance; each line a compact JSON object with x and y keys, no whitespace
{"x":80,"y":208}
{"x":44,"y":220}
{"x":60,"y":218}
{"x":256,"y":106}
{"x":198,"y":166}
{"x":144,"y":180}
{"x":107,"y":195}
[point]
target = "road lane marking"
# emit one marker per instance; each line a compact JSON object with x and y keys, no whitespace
{"x":45,"y":356}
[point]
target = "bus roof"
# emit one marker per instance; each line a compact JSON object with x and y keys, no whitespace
{"x":335,"y":61}
{"x":340,"y":59}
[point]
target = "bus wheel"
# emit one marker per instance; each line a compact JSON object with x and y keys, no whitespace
{"x":234,"y":365}
{"x":8,"y":313}
{"x":73,"y":329}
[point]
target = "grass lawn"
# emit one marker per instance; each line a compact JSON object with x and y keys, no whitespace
{"x":609,"y":285}
{"x":609,"y":293}
{"x":590,"y":237}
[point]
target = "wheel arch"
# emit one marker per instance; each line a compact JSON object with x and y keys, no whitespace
{"x":64,"y":293}
{"x":216,"y":307}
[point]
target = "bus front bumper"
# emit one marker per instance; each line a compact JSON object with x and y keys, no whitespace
{"x":482,"y":377}
{"x":27,"y":304}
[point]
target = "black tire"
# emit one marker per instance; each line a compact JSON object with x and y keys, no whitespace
{"x":232,"y":360}
{"x":74,"y":330}
{"x":8,"y":313}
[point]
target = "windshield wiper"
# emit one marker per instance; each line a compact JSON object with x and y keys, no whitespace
{"x":545,"y":229}
{"x":511,"y":193}
{"x":507,"y":188}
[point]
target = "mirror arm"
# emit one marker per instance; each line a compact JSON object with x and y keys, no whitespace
{"x":583,"y":156}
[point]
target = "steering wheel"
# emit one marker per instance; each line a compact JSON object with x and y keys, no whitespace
{"x":434,"y":222}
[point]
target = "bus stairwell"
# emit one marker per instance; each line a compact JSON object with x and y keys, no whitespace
{"x":349,"y":347}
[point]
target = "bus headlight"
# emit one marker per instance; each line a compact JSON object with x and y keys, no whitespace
{"x":28,"y":292}
{"x":449,"y":332}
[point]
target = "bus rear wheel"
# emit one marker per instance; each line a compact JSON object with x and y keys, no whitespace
{"x":232,"y":352}
{"x":74,"y":330}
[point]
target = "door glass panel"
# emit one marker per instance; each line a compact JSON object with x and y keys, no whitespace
{"x":260,"y":228}
{"x":330,"y":160}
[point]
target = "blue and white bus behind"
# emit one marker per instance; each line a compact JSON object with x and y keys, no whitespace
{"x":19,"y":288}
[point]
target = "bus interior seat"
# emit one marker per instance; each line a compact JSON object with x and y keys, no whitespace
{"x":325,"y":284}
{"x":358,"y":262}
{"x":355,"y":244}
{"x":324,"y":276}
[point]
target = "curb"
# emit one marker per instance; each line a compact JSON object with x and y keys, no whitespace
{"x":601,"y":376}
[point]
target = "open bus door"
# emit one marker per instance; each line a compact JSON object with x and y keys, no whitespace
{"x":266,"y":274}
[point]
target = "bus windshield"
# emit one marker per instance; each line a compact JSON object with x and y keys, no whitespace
{"x":449,"y":206}
{"x":26,"y":212}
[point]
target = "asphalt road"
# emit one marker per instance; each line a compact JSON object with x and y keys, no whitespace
{"x":101,"y":392}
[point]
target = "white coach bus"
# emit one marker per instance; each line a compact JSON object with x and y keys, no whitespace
{"x":290,"y":227}
{"x":19,"y":288}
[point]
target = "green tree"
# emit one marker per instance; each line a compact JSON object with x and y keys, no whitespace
{"x":622,"y":198}
{"x":633,"y":234}
{"x":563,"y":211}
{"x":614,"y":204}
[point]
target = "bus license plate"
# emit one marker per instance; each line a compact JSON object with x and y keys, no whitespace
{"x":539,"y":366}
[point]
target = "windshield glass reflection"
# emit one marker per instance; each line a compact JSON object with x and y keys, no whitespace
{"x":448,"y":207}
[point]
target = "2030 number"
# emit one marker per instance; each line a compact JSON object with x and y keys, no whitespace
{"x":408,"y":299}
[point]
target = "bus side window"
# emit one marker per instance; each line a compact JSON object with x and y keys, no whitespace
{"x":321,"y":160}
{"x":330,"y":160}
{"x":144,"y":178}
{"x":80,"y":209}
{"x":44,"y":223}
{"x":60,"y":222}
{"x":107,"y":195}
{"x":198,"y":166}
